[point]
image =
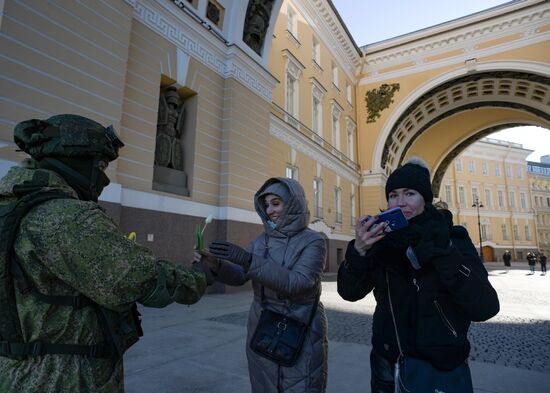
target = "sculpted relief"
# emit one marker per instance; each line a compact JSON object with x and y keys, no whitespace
{"x":171,"y":116}
{"x":256,"y":23}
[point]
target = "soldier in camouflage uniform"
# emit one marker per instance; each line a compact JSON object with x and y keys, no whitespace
{"x":68,"y":248}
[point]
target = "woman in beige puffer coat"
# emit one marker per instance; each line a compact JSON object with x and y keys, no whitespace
{"x":287,"y":260}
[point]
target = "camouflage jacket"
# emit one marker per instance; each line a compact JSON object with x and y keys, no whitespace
{"x":67,"y":246}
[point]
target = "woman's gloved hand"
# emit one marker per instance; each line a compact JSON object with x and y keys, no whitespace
{"x":231,"y":252}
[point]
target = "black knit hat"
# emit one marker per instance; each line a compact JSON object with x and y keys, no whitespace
{"x":414,"y":174}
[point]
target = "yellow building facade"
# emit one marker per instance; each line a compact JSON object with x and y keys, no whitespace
{"x":487,"y":188}
{"x":248,"y":90}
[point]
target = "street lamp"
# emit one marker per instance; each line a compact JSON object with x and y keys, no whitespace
{"x":477,"y":204}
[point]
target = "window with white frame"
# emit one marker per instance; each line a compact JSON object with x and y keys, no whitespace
{"x":504,"y":230}
{"x":472,"y":166}
{"x":291,"y":172}
{"x":484,"y":168}
{"x":316,"y":116}
{"x":350,"y":134}
{"x":292,"y":22}
{"x":448,"y":194}
{"x":338,"y":204}
{"x":318,"y":93}
{"x":316,"y":51}
{"x":527,"y":232}
{"x":336,"y":131}
{"x":488,"y":198}
{"x":336,"y":112}
{"x":348,"y":93}
{"x":294,"y":71}
{"x":318,"y":198}
{"x":486,"y":231}
{"x":334,"y":74}
{"x":516,"y":232}
{"x":523,"y":200}
{"x":512,"y":199}
{"x":461,"y":196}
{"x":291,"y":95}
{"x":508,"y":170}
{"x":520,"y":173}
{"x":497,"y":170}
{"x":458,"y":165}
{"x":350,"y":144}
{"x":475,"y":194}
{"x":500,"y":196}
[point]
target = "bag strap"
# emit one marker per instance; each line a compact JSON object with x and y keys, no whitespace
{"x":393,"y":315}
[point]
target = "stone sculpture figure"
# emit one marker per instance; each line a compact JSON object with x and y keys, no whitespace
{"x":256,"y":24}
{"x":171,"y":116}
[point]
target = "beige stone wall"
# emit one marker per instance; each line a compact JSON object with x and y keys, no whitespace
{"x":245,"y":146}
{"x":62,"y":59}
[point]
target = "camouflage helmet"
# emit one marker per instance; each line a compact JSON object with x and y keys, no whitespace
{"x":67,"y":136}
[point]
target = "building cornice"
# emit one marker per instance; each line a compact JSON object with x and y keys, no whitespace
{"x":458,"y":42}
{"x":332,"y":32}
{"x":228,"y":61}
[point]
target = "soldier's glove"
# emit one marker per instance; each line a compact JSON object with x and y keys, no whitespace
{"x":231,"y":252}
{"x":434,"y":241}
{"x":203,"y":267}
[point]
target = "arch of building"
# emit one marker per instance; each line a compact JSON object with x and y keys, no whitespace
{"x":446,"y":115}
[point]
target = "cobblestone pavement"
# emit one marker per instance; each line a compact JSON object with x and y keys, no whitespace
{"x":519,"y":336}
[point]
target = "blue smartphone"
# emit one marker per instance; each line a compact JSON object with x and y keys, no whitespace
{"x":394,"y":217}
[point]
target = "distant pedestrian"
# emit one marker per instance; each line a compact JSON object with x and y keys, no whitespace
{"x":507,"y":257}
{"x":532,"y":261}
{"x":542,"y":260}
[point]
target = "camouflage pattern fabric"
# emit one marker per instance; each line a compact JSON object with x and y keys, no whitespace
{"x":67,"y":246}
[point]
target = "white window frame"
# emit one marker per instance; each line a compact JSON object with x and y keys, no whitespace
{"x":523,"y":200}
{"x":338,"y":204}
{"x":458,"y":165}
{"x":461,"y":195}
{"x":448,"y":194}
{"x":484,"y":168}
{"x":316,"y":50}
{"x":292,"y":22}
{"x":497,"y":170}
{"x":334,"y":73}
{"x":504,"y":230}
{"x":472,"y":166}
{"x":488,"y":198}
{"x":318,"y":197}
{"x":350,"y":137}
{"x":348,"y":93}
{"x":500,"y":197}
{"x":291,"y":172}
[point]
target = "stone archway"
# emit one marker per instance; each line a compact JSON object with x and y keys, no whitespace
{"x":486,"y":101}
{"x":526,"y":92}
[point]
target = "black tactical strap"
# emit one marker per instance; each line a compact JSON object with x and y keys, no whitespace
{"x":37,"y":348}
{"x":24,"y":285}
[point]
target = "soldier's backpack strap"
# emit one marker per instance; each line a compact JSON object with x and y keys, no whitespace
{"x":11,"y":338}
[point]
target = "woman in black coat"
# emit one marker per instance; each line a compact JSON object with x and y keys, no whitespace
{"x":436,"y":288}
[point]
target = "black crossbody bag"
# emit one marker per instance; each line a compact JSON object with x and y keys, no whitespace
{"x":414,"y":375}
{"x":279,"y":337}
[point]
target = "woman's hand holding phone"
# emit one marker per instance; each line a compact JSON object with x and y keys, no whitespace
{"x":367,"y":233}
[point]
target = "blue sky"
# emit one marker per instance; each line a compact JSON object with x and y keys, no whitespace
{"x":371,"y":21}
